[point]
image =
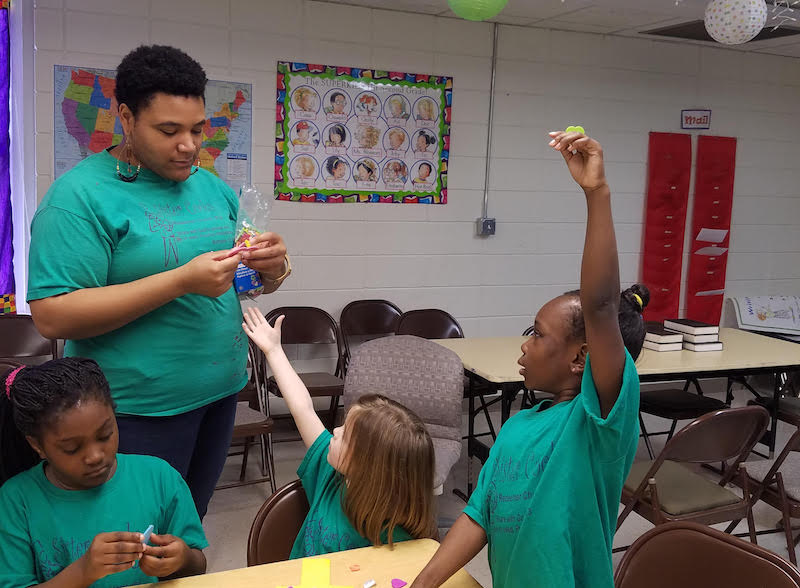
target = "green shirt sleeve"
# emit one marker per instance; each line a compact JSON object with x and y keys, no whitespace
{"x":180,"y":514}
{"x":610,"y":436}
{"x":17,"y":565}
{"x":67,"y":253}
{"x":478,"y":506}
{"x":314,"y":471}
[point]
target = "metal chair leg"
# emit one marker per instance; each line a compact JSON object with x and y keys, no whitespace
{"x":787,"y":519}
{"x":271,"y":463}
{"x":646,"y":436}
{"x":244,"y":458}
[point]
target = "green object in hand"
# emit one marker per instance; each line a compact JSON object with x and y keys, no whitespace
{"x":575,"y":129}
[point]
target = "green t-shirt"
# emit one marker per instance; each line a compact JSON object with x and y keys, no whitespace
{"x":326,"y":528}
{"x":93,"y":230}
{"x":549,"y":494}
{"x":44,"y":528}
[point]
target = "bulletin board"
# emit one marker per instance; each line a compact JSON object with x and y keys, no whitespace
{"x":345,"y":134}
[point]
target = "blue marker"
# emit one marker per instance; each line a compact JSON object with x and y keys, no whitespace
{"x":146,"y":534}
{"x":145,"y":539}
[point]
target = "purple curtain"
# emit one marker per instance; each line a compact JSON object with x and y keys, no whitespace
{"x":6,"y":246}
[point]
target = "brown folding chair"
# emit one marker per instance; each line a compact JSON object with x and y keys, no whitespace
{"x":21,"y":340}
{"x":308,"y":325}
{"x":690,"y":555}
{"x":277,"y":523}
{"x":429,"y":323}
{"x":777,"y":482}
{"x":252,"y":422}
{"x":666,"y":490}
{"x":362,"y":320}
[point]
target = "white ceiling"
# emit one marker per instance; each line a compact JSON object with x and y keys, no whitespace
{"x":614,"y":17}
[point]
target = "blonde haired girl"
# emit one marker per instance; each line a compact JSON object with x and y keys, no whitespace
{"x":306,"y":165}
{"x":371,"y":482}
{"x":304,"y":98}
{"x":425,"y":108}
{"x":397,"y":107}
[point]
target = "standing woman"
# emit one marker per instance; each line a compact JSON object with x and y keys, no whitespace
{"x":123,"y":265}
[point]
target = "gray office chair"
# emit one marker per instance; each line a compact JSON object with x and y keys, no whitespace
{"x":422,"y":376}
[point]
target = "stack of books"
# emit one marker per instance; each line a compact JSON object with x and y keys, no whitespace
{"x":658,"y":338}
{"x":696,"y":335}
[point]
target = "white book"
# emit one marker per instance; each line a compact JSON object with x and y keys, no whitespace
{"x":662,"y":346}
{"x":703,"y":346}
{"x":691,"y":327}
{"x":701,"y":338}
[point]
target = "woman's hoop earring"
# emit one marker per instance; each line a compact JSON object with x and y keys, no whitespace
{"x":132,"y":175}
{"x":196,"y":167}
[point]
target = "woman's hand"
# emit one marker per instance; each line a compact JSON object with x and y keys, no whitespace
{"x":259,"y":330}
{"x":268,"y":258}
{"x":208,"y":274}
{"x":586,"y":163}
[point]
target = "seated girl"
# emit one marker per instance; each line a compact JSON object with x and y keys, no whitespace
{"x":77,"y":516}
{"x":371,"y":482}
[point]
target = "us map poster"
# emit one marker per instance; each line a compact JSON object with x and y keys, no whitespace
{"x":85,"y":122}
{"x":345,"y":134}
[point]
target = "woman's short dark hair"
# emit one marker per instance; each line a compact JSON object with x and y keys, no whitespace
{"x":150,"y":69}
{"x":631,"y":323}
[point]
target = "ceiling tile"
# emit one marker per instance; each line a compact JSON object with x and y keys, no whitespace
{"x":541,"y":9}
{"x":613,"y":18}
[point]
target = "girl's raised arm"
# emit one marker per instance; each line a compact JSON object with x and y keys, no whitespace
{"x":293,"y":390}
{"x":600,"y":266}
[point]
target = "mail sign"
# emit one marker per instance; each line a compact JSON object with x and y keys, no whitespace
{"x":695,"y":119}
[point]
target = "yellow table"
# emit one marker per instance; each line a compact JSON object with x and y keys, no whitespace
{"x":381,"y":564}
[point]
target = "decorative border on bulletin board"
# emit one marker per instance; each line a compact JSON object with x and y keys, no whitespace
{"x":286,"y":125}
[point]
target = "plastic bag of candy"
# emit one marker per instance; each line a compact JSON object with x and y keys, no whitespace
{"x":252,"y":219}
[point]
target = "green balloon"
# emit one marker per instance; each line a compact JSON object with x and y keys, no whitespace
{"x":477,"y":9}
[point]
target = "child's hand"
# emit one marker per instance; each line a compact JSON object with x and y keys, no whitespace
{"x":260,"y":331}
{"x":110,"y":553}
{"x":586,"y":164}
{"x":167,"y":555}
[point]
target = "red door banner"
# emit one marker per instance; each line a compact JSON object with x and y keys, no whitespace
{"x":668,"y":170}
{"x":711,"y":223}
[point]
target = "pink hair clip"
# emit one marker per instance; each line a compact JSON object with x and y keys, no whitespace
{"x":10,"y":379}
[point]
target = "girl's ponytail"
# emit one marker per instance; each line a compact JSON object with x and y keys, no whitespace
{"x":631,"y":324}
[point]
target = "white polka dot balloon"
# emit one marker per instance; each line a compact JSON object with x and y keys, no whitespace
{"x":734,"y":22}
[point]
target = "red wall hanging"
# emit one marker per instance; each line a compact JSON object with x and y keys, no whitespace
{"x":668,"y":171}
{"x":711,"y":223}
